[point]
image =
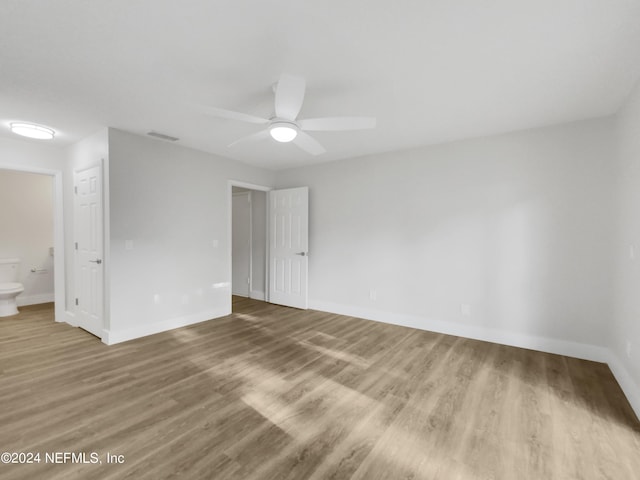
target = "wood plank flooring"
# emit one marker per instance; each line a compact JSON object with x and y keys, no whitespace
{"x":276,"y":393}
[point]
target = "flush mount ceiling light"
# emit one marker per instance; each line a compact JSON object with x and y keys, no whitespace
{"x":32,"y":131}
{"x":283,"y":131}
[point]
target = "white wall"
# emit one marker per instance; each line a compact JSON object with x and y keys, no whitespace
{"x":517,"y":227}
{"x":26,"y":216}
{"x":32,"y":155}
{"x":259,"y":242}
{"x":172,"y":203}
{"x":624,"y":328}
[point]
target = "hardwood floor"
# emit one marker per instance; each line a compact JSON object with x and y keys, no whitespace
{"x":276,"y":393}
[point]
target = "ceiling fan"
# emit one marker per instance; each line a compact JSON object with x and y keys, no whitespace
{"x":284,"y":125}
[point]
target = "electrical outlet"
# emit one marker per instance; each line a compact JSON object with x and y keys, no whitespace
{"x":373,"y":295}
{"x":632,"y":252}
{"x":465,"y":309}
{"x":628,"y":349}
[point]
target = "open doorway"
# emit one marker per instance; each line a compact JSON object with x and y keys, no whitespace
{"x":274,"y":223}
{"x":248,"y":243}
{"x":58,"y":258}
{"x":27,"y":237}
{"x":248,"y":240}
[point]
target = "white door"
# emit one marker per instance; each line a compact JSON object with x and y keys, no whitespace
{"x":89,"y":282}
{"x":241,"y":243}
{"x":288,"y":246}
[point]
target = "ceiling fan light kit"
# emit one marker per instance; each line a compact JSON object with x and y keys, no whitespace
{"x":283,"y":132}
{"x":284,"y":128}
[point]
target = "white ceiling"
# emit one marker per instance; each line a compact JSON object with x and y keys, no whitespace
{"x":429,"y":70}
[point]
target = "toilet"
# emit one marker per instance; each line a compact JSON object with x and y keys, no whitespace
{"x":9,"y":288}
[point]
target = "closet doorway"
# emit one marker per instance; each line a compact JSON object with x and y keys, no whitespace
{"x":248,"y":242}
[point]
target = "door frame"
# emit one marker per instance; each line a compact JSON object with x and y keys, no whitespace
{"x":250,"y":186}
{"x":58,"y":234}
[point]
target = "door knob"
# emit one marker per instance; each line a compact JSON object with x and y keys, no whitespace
{"x":98,"y":261}
{"x":302,"y":254}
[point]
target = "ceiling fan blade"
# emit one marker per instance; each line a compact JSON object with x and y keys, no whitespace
{"x":309,"y":144}
{"x":261,"y":135}
{"x":289,"y":96}
{"x":337,"y":123}
{"x":230,"y":115}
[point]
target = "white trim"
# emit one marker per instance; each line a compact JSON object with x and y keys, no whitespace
{"x":267,"y":237}
{"x":250,"y":201}
{"x":111,"y":337}
{"x":58,"y":234}
{"x":106,"y":243}
{"x":22,"y":300}
{"x":70,"y":318}
{"x":250,"y":186}
{"x":532,"y":342}
{"x":59,"y":263}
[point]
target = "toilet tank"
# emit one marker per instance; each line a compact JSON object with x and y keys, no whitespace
{"x":9,"y":269}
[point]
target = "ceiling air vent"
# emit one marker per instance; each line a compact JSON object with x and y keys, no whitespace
{"x":162,"y":136}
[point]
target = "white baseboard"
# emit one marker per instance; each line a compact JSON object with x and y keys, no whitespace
{"x":550,"y":345}
{"x":22,"y":300}
{"x":111,"y":337}
{"x":257,"y":295}
{"x":543,"y":344}
{"x":70,"y":318}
